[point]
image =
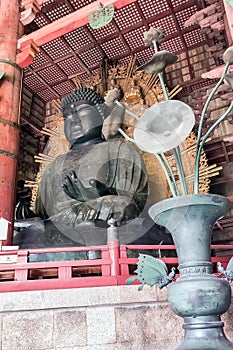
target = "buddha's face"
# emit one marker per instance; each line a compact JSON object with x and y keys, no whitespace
{"x":82,"y":122}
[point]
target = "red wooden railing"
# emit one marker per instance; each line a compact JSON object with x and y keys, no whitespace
{"x":113,"y":268}
{"x":17,"y":273}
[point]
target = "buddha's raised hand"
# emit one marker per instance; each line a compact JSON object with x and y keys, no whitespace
{"x":74,"y":188}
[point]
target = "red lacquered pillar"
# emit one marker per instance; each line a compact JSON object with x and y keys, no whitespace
{"x":10,"y":91}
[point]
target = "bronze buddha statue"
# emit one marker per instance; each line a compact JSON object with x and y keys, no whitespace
{"x":93,"y":182}
{"x":97,"y":179}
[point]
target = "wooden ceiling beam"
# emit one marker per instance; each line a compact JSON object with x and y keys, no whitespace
{"x":29,"y":44}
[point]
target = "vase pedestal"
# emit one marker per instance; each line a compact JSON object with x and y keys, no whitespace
{"x":200,"y":300}
{"x":198,"y":295}
{"x":206,"y":333}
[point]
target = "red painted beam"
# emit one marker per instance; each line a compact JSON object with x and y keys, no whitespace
{"x":61,"y":27}
{"x":104,"y":3}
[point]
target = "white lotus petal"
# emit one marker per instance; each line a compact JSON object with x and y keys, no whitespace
{"x":164,"y":126}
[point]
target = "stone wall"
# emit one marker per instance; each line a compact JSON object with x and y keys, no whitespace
{"x":105,"y":318}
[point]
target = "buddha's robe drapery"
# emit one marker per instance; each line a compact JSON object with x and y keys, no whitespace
{"x":115,"y":163}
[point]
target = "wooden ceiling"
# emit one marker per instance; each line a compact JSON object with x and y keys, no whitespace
{"x":82,"y":51}
{"x":199,"y":44}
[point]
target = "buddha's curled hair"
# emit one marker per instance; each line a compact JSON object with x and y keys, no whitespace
{"x":88,"y":95}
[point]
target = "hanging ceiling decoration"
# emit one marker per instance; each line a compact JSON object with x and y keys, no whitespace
{"x":101,"y":17}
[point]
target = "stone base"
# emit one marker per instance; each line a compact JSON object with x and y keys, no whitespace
{"x":102,"y":318}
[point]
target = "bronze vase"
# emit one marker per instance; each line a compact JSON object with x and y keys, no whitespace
{"x":197,"y":295}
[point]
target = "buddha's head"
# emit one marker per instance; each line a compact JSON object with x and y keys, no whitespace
{"x":83,"y":112}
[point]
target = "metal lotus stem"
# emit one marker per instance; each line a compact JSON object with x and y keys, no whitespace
{"x":165,"y":125}
{"x":160,"y":75}
{"x":176,"y":150}
{"x":198,"y":154}
{"x":126,"y":110}
{"x":207,"y":104}
{"x":200,"y":144}
{"x":178,"y":160}
{"x":125,"y":135}
{"x":161,"y":156}
{"x":170,"y":184}
{"x":171,"y":173}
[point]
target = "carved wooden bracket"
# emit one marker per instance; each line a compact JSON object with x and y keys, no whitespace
{"x":215,"y":73}
{"x":31,"y":7}
{"x":209,"y":16}
{"x":229,"y":21}
{"x":27,"y":54}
